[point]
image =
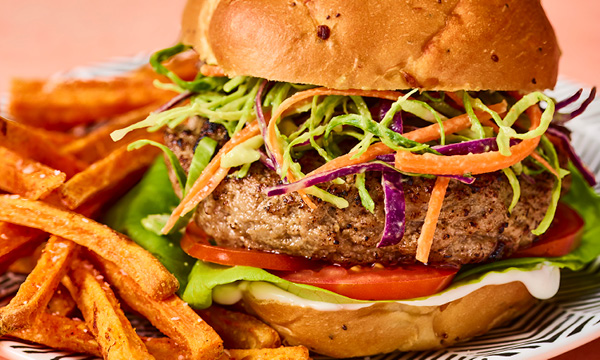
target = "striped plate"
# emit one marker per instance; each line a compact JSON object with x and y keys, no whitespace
{"x":570,"y":319}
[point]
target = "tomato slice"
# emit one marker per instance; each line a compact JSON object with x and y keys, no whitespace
{"x":376,"y":283}
{"x":195,"y":243}
{"x":561,"y":238}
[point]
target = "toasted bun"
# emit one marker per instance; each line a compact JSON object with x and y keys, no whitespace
{"x":379,"y":44}
{"x":385,"y":327}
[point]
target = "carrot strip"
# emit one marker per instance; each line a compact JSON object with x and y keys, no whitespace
{"x":212,"y":175}
{"x":431,"y":218}
{"x":289,"y":103}
{"x":471,"y":163}
{"x":429,"y":133}
{"x":544,"y":163}
{"x":455,"y":98}
{"x":212,"y":70}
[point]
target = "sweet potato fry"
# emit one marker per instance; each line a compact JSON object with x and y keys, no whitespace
{"x":98,"y":143}
{"x":144,"y":268}
{"x":50,"y":330}
{"x":35,"y":293}
{"x":61,"y":333}
{"x":21,"y":139}
{"x":61,"y":303}
{"x":106,"y":172}
{"x":26,"y":264}
{"x":102,"y":313}
{"x":239,"y":330}
{"x":17,"y":241}
{"x":280,"y":353}
{"x":171,"y":316}
{"x":64,"y":103}
{"x":57,"y":138}
{"x":26,"y":177}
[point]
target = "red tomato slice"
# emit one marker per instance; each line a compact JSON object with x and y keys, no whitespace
{"x":562,"y":237}
{"x":195,"y":243}
{"x":377,"y":283}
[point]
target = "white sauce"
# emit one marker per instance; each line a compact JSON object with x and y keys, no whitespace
{"x":541,"y":283}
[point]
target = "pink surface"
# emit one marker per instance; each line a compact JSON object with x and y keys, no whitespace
{"x":39,"y":38}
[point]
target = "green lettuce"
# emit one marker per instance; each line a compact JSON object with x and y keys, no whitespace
{"x":151,"y":196}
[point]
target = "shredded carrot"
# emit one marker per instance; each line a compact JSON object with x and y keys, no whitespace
{"x":431,"y":218}
{"x":472,"y":163}
{"x":455,"y":98}
{"x":297,"y":98}
{"x":544,"y":163}
{"x":212,"y":70}
{"x":211,"y":177}
{"x":429,"y":133}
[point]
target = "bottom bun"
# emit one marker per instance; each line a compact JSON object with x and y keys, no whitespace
{"x":386,"y":327}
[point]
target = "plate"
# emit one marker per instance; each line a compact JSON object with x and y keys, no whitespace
{"x":552,"y":327}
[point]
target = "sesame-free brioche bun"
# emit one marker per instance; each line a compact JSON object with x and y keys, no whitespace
{"x":386,"y":327}
{"x":379,"y":44}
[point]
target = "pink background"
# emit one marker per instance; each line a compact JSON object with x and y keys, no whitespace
{"x":41,"y":37}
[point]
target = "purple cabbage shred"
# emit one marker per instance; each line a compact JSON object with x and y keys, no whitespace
{"x":563,"y":118}
{"x":260,"y":115}
{"x":589,"y":177}
{"x":395,"y":209}
{"x":174,"y":101}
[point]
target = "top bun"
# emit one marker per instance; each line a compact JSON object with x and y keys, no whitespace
{"x":379,"y":44}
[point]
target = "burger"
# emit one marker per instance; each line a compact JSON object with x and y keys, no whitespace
{"x":367,"y":176}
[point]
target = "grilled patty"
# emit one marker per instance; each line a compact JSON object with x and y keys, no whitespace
{"x":474,"y":224}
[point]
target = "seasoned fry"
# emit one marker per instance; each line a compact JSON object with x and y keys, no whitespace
{"x":62,"y":302}
{"x":25,"y":177}
{"x":26,"y":264}
{"x":281,"y":353}
{"x":108,"y":171}
{"x":239,"y":330}
{"x":17,"y":241}
{"x":22,"y":140}
{"x":50,"y":330}
{"x":98,"y":143}
{"x":144,"y":268}
{"x":163,"y":348}
{"x":38,"y":288}
{"x":102,"y":313}
{"x":171,"y":316}
{"x":62,"y":104}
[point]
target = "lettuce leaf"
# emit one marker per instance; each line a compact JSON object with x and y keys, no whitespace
{"x":205,"y":276}
{"x":152,"y":195}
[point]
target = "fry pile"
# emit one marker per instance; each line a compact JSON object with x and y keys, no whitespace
{"x":58,"y":170}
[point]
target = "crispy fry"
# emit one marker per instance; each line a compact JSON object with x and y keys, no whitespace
{"x":147,"y":271}
{"x":51,"y":330}
{"x":171,"y":316}
{"x":57,"y":138}
{"x":102,"y":313}
{"x":25,"y":177}
{"x":108,"y":171}
{"x":239,"y":330}
{"x":26,"y":264}
{"x":163,"y":348}
{"x":64,"y":103}
{"x":17,"y":241}
{"x":98,"y":143}
{"x":22,"y":140}
{"x":38,"y":288}
{"x":280,"y":353}
{"x":61,"y":303}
